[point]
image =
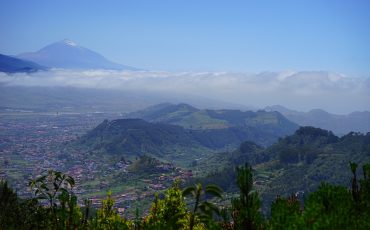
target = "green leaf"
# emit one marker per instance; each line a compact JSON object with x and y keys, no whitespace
{"x":188,"y":191}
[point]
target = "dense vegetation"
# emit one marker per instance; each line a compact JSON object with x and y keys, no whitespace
{"x":261,"y":127}
{"x":135,"y":137}
{"x":180,"y":132}
{"x":294,"y":168}
{"x":296,"y":163}
{"x":54,"y":206}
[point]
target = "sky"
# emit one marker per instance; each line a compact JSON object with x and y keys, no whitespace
{"x":200,"y":35}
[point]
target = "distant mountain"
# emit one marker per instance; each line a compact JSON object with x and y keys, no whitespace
{"x":165,"y":113}
{"x":192,"y":118}
{"x":68,"y":55}
{"x":339,"y":124}
{"x":14,"y":65}
{"x":215,"y":131}
{"x":281,"y":109}
{"x":221,"y":126}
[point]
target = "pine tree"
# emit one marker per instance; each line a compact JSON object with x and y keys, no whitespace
{"x":246,"y":208}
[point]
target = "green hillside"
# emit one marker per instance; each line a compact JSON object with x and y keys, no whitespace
{"x":295,"y":164}
{"x":190,"y":117}
{"x":135,"y":137}
{"x":222,"y":127}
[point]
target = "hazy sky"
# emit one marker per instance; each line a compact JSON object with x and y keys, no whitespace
{"x":296,"y":90}
{"x":200,"y":35}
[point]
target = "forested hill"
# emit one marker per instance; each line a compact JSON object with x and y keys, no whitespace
{"x":296,"y":163}
{"x":219,"y":130}
{"x":190,"y":117}
{"x":134,"y":137}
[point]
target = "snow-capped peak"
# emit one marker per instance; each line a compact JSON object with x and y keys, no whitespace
{"x":69,"y":42}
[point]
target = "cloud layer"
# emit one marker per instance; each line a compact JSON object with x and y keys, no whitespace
{"x":298,"y":90}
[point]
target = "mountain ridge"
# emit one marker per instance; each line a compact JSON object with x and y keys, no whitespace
{"x":171,"y":141}
{"x":190,"y":117}
{"x":340,"y":124}
{"x":9,"y":64}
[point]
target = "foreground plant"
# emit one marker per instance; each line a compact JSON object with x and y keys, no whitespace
{"x":51,"y":184}
{"x":203,"y":209}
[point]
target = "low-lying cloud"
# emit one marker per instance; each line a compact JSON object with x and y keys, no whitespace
{"x":298,"y":90}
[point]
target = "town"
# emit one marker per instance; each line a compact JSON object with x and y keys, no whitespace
{"x":31,"y":143}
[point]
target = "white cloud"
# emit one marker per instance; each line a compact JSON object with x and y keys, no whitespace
{"x":300,"y":90}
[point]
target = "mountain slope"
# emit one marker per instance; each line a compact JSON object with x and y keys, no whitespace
{"x":13,"y":65}
{"x":221,"y":128}
{"x":192,"y":118}
{"x":131,"y":138}
{"x":138,"y":137}
{"x":339,"y":124}
{"x":296,"y":164}
{"x":67,"y":54}
{"x":135,"y":137}
{"x":165,"y":113}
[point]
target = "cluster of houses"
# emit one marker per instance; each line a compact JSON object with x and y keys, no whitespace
{"x":29,"y":147}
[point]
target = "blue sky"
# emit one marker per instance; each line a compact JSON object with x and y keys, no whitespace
{"x":196,"y":35}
